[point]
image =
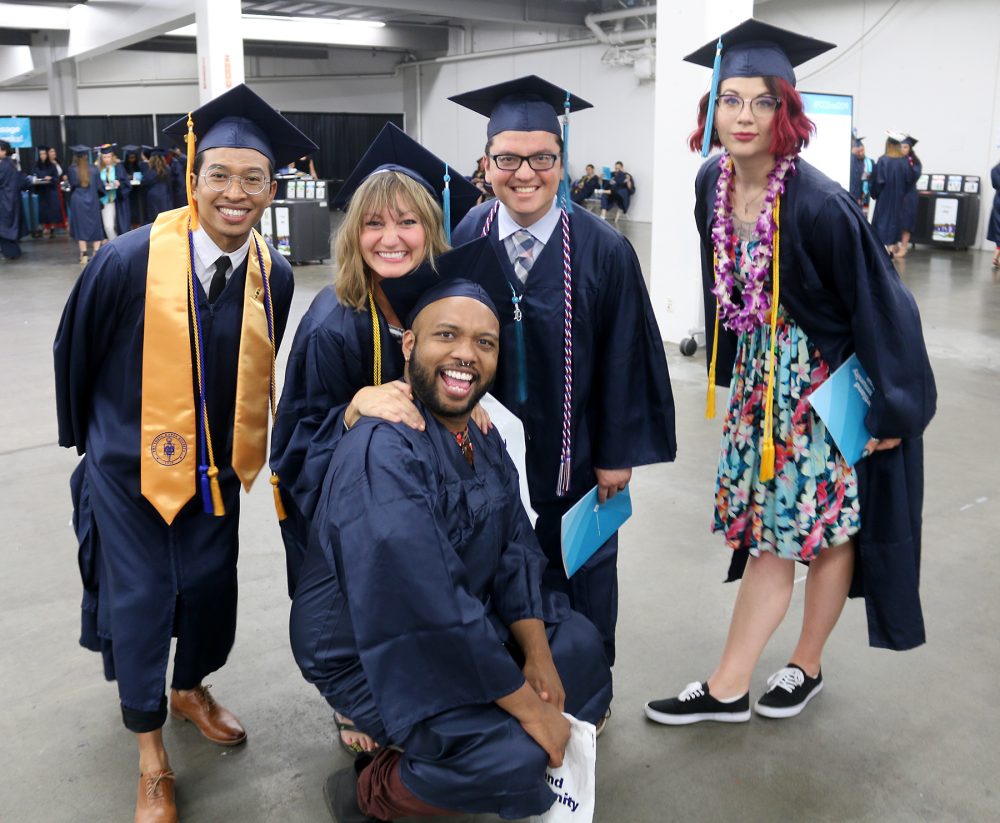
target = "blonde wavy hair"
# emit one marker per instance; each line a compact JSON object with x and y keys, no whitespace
{"x":385,"y":190}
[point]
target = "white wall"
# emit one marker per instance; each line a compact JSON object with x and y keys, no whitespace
{"x":930,"y":68}
{"x":619,"y":127}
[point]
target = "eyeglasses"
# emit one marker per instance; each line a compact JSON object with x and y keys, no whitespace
{"x":764,"y":105}
{"x":252,"y":183}
{"x":512,"y":162}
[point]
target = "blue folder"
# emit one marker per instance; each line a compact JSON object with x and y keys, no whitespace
{"x":842,"y":402}
{"x":588,"y":526}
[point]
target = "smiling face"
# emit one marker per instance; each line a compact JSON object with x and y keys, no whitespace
{"x":745,"y":135}
{"x":52,"y":155}
{"x":456,"y":360}
{"x":527,"y":193}
{"x":393,"y":241}
{"x":228,"y":216}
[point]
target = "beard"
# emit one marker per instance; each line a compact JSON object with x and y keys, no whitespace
{"x":423,"y":381}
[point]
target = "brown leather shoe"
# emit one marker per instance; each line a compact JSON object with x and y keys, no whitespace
{"x":214,"y":721}
{"x":155,"y":801}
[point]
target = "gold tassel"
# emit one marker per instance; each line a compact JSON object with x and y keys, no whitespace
{"x":767,"y":447}
{"x":189,"y":142}
{"x":279,"y":505}
{"x":710,"y":398}
{"x":213,"y":479}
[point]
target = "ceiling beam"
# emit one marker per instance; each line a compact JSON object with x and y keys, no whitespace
{"x":101,"y":26}
{"x":486,"y":11}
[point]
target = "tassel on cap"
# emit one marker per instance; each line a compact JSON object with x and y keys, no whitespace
{"x":190,"y":144}
{"x":279,"y":505}
{"x":446,"y":204}
{"x":565,"y":199}
{"x":706,"y":145}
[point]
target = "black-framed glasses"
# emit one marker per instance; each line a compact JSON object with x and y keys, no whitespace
{"x":512,"y":162}
{"x":763,"y":105}
{"x":252,"y":183}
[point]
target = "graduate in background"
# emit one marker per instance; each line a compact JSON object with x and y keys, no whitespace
{"x":420,"y":611}
{"x":115,"y":212}
{"x":890,"y":181}
{"x":910,"y":199}
{"x":796,"y":282}
{"x":157,"y":182}
{"x":619,"y":193}
{"x":49,"y":210}
{"x":586,"y":185}
{"x":11,"y":230}
{"x":993,"y":230}
{"x":345,"y":361}
{"x":86,"y":188}
{"x":861,"y":172}
{"x":585,"y":368}
{"x":168,"y":338}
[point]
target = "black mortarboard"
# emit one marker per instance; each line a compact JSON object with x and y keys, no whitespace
{"x":130,"y":149}
{"x":753,"y":49}
{"x":108,"y":148}
{"x":394,"y":150}
{"x":80,"y":149}
{"x":476,"y":261}
{"x":41,"y":148}
{"x":910,"y":141}
{"x":525,"y":104}
{"x":239,"y":118}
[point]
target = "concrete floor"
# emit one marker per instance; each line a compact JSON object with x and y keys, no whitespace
{"x":894,"y":737}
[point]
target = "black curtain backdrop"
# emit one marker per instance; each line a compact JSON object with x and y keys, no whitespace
{"x":44,"y":132}
{"x":109,"y":128}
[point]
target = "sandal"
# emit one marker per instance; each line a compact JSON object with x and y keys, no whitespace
{"x":345,"y":725}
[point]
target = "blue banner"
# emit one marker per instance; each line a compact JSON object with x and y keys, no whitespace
{"x":16,"y":131}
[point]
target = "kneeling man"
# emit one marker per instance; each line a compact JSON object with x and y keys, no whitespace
{"x":420,"y":614}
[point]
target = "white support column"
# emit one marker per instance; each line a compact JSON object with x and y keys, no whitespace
{"x":675,"y":264}
{"x":220,"y":47}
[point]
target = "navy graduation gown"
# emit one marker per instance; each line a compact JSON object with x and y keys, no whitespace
{"x":446,"y":552}
{"x":48,"y":195}
{"x":889,"y":182}
{"x":840,"y":286}
{"x":159,"y":192}
{"x":10,"y":201}
{"x":623,"y":408}
{"x":85,"y":206}
{"x":584,"y":188}
{"x":331,"y":358}
{"x":144,"y":580}
{"x":993,"y":231}
{"x":622,"y":189}
{"x":909,"y":218}
{"x":123,"y":209}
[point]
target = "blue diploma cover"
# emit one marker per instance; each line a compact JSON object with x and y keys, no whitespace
{"x":842,"y":402}
{"x":588,"y":526}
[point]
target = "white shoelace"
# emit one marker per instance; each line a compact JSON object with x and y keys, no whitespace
{"x":788,"y":679}
{"x":691,"y":691}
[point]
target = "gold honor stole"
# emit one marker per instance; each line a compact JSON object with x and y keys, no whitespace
{"x":169,"y":456}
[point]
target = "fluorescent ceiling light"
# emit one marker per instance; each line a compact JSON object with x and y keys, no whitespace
{"x":318,"y":21}
{"x":322,"y":30}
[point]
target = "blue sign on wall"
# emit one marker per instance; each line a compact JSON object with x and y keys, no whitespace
{"x":16,"y":131}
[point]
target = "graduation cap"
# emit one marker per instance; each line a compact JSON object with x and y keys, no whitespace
{"x":895,"y":135}
{"x":130,"y":149}
{"x":394,"y":150}
{"x":910,"y":141}
{"x":474,"y":262}
{"x":241,"y":119}
{"x":80,"y":150}
{"x":753,"y":49}
{"x":154,"y":151}
{"x":108,"y":148}
{"x":856,"y":139}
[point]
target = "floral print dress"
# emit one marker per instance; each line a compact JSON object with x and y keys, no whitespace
{"x":812,"y":501}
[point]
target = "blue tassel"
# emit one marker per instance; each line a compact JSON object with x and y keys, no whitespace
{"x":567,"y":202}
{"x":206,"y":491}
{"x":706,"y":144}
{"x":446,"y":204}
{"x":520,"y":350}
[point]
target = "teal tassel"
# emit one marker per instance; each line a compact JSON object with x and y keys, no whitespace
{"x":706,"y":144}
{"x":446,"y":204}
{"x":520,"y":351}
{"x":567,"y":202}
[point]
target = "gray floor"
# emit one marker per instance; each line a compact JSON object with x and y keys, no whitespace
{"x":894,"y":737}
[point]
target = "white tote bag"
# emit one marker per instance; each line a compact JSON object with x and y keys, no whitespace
{"x":575,"y":781}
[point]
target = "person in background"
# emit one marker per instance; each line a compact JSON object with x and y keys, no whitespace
{"x":177,"y":162}
{"x":157,"y":183}
{"x":115,"y":213}
{"x":993,"y":231}
{"x":793,"y":275}
{"x":86,"y":190}
{"x":910,"y":198}
{"x":478,"y":179}
{"x":890,"y":181}
{"x":54,"y":160}
{"x":586,"y":185}
{"x":11,"y":184}
{"x":49,"y":210}
{"x":861,"y":172}
{"x":620,"y":192}
{"x":306,"y":167}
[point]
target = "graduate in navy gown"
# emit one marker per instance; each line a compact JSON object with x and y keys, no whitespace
{"x":613,"y":409}
{"x":115,"y":212}
{"x":585,"y":186}
{"x":892,"y":178}
{"x":49,"y":211}
{"x":620,"y":192}
{"x":794,"y":283}
{"x":11,"y":225}
{"x":993,"y":230}
{"x":465,"y":663}
{"x":157,"y":182}
{"x":861,"y":172}
{"x":157,"y":497}
{"x":911,"y":198}
{"x":86,"y":190}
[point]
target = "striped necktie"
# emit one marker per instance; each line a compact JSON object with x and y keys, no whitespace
{"x":522,"y":256}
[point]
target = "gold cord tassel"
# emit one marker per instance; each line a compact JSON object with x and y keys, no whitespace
{"x":376,"y":342}
{"x":213,"y":479}
{"x":279,"y":505}
{"x":710,"y":399}
{"x":767,"y":448}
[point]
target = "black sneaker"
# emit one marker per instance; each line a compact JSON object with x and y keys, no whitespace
{"x":695,"y":704}
{"x":788,"y":691}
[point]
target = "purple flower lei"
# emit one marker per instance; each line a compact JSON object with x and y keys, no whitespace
{"x":755,"y":306}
